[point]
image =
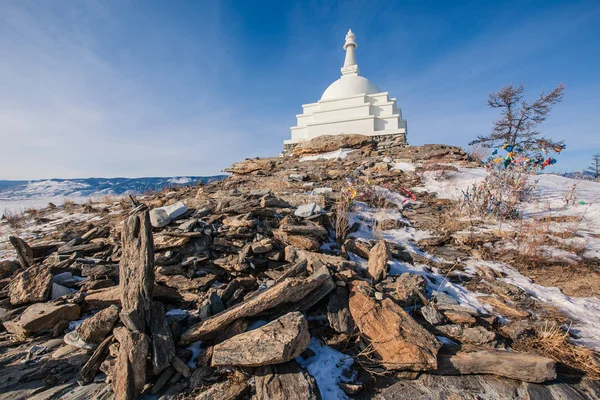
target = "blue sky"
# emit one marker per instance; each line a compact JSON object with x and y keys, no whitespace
{"x":161,"y":88}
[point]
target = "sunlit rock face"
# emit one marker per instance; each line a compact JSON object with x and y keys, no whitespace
{"x":351,"y":104}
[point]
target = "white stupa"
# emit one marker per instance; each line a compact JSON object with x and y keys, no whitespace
{"x":352,"y":104}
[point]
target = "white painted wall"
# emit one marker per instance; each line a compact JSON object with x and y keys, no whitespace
{"x":366,"y":114}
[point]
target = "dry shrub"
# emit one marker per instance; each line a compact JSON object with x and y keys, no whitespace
{"x":570,"y":197}
{"x":552,"y":342}
{"x":342,"y":220}
{"x":499,"y":195}
{"x":33,"y":212}
{"x":14,"y":219}
{"x":531,"y":236}
{"x":372,"y":196}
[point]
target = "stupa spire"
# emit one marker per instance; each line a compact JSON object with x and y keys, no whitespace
{"x":350,"y":67}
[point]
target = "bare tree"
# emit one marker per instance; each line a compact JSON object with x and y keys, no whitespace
{"x":520,"y":119}
{"x":594,"y":169}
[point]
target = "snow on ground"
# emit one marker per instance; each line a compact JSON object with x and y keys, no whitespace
{"x":182,"y":180}
{"x":448,"y":185}
{"x":196,"y":349}
{"x":559,"y":196}
{"x":404,"y":166}
{"x":369,"y":217}
{"x":327,"y":366}
{"x":556,"y":196}
{"x":32,"y":230}
{"x":437,"y":282}
{"x":584,"y":311}
{"x":341,"y":153}
{"x":19,"y":205}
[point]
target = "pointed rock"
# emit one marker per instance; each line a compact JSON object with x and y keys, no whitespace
{"x":24,"y":251}
{"x":130,"y":368}
{"x":136,"y":272}
{"x":31,"y":285}
{"x":288,"y":290}
{"x":94,"y":329}
{"x":378,"y":261}
{"x":397,"y":339}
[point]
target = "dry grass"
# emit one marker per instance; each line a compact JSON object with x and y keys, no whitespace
{"x":33,"y":212}
{"x":109,"y":200}
{"x":342,"y":220}
{"x":552,"y":342}
{"x":68,"y":205}
{"x":368,"y":360}
{"x":531,"y":236}
{"x":561,"y":232}
{"x":14,"y":219}
{"x":377,"y":228}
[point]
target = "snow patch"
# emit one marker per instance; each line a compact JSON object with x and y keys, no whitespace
{"x":176,"y":311}
{"x":450,"y":185}
{"x":180,"y":180}
{"x":332,"y":155}
{"x":195,"y":348}
{"x":583,"y":311}
{"x":404,"y":166}
{"x":327,"y":366}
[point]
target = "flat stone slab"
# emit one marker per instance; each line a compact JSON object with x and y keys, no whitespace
{"x":277,"y":342}
{"x":38,"y":317}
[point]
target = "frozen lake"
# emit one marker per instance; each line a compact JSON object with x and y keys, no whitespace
{"x":20,"y":205}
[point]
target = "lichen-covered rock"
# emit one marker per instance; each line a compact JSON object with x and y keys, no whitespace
{"x":130,"y":368}
{"x":31,"y":285}
{"x":327,"y":143}
{"x":251,"y":165}
{"x":286,"y":382}
{"x":407,"y":289}
{"x":470,"y":335}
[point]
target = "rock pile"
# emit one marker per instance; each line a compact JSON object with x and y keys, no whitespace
{"x":215,"y":292}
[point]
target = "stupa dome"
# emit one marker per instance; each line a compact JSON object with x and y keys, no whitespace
{"x":349,"y":85}
{"x":352,"y":104}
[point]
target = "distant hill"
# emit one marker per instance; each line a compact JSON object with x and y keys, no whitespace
{"x":585,"y":175}
{"x":92,"y":187}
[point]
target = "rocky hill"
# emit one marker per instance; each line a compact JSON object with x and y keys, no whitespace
{"x":344,"y":270}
